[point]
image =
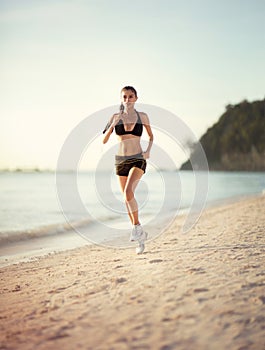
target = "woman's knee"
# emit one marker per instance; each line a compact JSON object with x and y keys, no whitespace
{"x":128,"y":194}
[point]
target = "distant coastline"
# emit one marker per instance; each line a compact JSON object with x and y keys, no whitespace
{"x":26,"y":170}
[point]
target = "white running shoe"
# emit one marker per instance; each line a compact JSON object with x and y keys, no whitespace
{"x":137,"y":231}
{"x":141,"y":248}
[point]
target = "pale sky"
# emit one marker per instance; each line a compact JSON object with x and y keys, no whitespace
{"x":64,"y":60}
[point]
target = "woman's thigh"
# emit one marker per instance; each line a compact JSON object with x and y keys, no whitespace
{"x":122,"y":182}
{"x":133,"y":179}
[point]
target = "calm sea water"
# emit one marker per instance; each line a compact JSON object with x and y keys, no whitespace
{"x":29,"y":201}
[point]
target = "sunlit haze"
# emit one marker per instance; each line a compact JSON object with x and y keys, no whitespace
{"x":64,"y":60}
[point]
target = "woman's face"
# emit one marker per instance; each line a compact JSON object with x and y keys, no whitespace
{"x":128,"y":98}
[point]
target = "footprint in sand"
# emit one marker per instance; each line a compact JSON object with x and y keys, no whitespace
{"x":118,"y":266}
{"x":201,"y":290}
{"x":196,"y":270}
{"x":155,"y":261}
{"x":262,"y":299}
{"x":120,"y":280}
{"x":252,"y":285}
{"x":17,"y":288}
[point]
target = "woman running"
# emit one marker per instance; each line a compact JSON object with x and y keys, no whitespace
{"x":130,"y":161}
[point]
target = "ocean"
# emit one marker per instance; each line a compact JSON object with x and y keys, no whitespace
{"x":36,"y":204}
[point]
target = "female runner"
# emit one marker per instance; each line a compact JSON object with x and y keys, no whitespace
{"x":130,"y":161}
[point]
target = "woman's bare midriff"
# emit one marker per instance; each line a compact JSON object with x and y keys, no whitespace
{"x":129,"y":145}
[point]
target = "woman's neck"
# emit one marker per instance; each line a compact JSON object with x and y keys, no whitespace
{"x":129,"y":110}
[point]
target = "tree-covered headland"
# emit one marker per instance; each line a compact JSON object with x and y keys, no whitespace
{"x":237,"y":141}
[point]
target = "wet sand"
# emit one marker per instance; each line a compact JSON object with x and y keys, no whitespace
{"x":201,"y":290}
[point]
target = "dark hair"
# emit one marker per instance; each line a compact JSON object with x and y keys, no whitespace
{"x":130,"y":88}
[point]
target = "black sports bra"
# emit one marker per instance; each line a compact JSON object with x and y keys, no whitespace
{"x":136,"y":131}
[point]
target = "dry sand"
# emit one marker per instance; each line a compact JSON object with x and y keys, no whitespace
{"x":202,"y":290}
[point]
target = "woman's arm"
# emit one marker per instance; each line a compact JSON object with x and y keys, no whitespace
{"x":146,"y":123}
{"x":107,"y":133}
{"x":109,"y":128}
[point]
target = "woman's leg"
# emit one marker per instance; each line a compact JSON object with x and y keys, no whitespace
{"x":123,"y":181}
{"x":128,"y":185}
{"x":134,"y":177}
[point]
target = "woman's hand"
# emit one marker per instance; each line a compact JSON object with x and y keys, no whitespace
{"x":146,"y":155}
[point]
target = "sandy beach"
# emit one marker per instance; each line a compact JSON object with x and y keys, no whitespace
{"x":201,"y":290}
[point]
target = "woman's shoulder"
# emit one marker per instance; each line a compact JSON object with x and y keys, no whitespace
{"x":144,"y":117}
{"x":142,"y":114}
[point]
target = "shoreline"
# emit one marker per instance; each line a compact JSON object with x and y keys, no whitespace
{"x":202,"y":290}
{"x":33,"y":247}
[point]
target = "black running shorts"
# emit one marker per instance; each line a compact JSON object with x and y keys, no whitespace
{"x":124,"y":164}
